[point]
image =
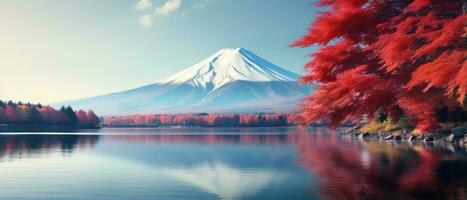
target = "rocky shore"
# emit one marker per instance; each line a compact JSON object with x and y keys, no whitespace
{"x":453,"y":135}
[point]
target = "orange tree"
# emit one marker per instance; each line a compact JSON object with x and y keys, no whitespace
{"x":399,"y":56}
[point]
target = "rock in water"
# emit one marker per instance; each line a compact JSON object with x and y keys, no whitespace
{"x":459,"y":131}
{"x":452,"y":137}
{"x":429,"y":139}
{"x":413,"y":138}
{"x":364,"y":136}
{"x":390,"y":137}
{"x":397,"y":137}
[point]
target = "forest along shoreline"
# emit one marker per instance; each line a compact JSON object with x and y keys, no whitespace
{"x":27,"y":117}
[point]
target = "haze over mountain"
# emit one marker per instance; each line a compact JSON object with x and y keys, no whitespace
{"x":231,"y":80}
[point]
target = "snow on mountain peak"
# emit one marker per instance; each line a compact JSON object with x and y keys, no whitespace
{"x":232,"y":80}
{"x":229,"y":65}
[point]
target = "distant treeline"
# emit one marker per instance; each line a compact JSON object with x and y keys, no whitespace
{"x":37,"y":114}
{"x":203,"y":119}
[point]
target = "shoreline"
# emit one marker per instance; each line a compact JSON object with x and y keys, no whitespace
{"x":456,"y":135}
{"x":18,"y":128}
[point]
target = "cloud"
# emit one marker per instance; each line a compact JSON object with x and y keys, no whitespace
{"x":145,"y":21}
{"x":169,"y":7}
{"x":199,"y":5}
{"x":143,"y":4}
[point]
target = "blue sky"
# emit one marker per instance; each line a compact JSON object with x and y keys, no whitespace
{"x":54,"y":50}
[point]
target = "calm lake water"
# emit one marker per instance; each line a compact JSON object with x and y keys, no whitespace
{"x":229,"y":164}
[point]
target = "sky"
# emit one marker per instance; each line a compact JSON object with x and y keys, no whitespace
{"x":56,"y":50}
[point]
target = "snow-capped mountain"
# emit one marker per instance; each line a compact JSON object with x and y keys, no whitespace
{"x":229,"y":65}
{"x":231,"y":80}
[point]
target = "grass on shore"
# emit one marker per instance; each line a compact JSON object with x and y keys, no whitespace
{"x":386,"y":126}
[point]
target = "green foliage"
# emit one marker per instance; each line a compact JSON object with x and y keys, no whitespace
{"x":68,"y":111}
{"x":386,"y":126}
{"x":35,"y":116}
{"x":381,"y":116}
{"x":455,"y":115}
{"x":373,"y":127}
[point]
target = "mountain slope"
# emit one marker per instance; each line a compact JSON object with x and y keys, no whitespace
{"x":231,"y":80}
{"x":229,"y":65}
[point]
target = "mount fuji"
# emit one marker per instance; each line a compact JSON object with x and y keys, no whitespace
{"x":231,"y":80}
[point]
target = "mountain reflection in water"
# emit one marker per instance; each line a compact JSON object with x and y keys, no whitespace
{"x":343,"y":169}
{"x":359,"y":169}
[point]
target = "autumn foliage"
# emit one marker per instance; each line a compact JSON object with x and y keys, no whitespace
{"x":19,"y":113}
{"x":402,"y":57}
{"x":204,"y":120}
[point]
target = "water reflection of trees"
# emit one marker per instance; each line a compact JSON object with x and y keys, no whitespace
{"x":377,"y":170}
{"x":18,"y":146}
{"x":357,"y":169}
{"x":203,"y":139}
{"x":346,"y":169}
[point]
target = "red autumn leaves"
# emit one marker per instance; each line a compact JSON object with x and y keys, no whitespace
{"x":403,"y":57}
{"x":19,"y":113}
{"x":209,"y":120}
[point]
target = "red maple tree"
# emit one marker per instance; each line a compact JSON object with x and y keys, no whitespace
{"x":400,"y":56}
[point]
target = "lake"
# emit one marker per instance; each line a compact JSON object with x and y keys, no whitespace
{"x":225,"y":163}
